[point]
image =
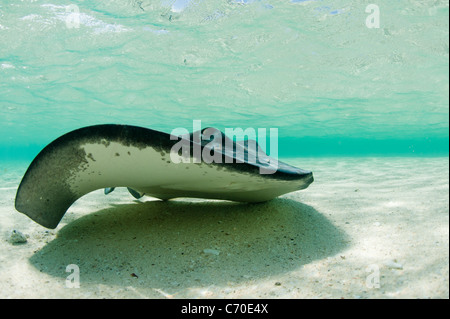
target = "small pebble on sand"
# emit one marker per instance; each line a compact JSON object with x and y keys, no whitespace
{"x":16,"y":237}
{"x":211,"y":251}
{"x":393,"y":264}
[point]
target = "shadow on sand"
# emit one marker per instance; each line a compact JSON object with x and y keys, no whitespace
{"x":185,"y":244}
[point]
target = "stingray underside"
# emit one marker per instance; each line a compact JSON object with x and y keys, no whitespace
{"x":144,"y":160}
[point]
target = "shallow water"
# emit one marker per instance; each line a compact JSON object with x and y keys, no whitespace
{"x":312,"y":69}
{"x":346,"y":100}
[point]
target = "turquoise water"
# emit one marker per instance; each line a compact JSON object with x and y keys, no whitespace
{"x":313,"y":69}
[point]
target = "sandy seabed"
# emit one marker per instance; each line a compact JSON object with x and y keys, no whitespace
{"x":366,"y":228}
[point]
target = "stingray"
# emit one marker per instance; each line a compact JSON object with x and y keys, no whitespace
{"x":151,"y":163}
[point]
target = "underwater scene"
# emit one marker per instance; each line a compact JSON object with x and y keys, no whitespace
{"x":348,"y":102}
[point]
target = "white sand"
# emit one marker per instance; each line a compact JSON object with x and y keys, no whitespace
{"x":363,"y":219}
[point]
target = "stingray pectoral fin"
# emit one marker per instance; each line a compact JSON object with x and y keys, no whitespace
{"x":84,"y":160}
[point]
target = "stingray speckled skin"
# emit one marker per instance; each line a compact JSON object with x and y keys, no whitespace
{"x":111,"y":155}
